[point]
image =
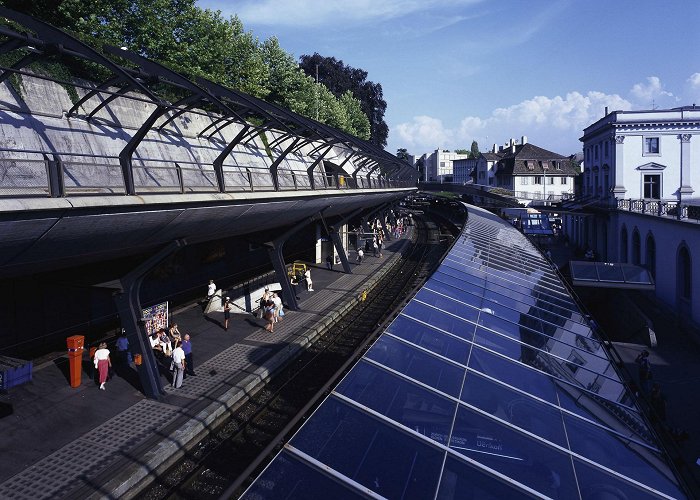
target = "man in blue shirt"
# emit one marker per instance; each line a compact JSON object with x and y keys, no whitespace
{"x":123,"y":353}
{"x":187,"y":347}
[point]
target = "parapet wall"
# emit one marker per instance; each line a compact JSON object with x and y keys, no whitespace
{"x":35,"y":128}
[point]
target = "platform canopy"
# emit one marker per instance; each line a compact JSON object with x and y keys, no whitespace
{"x":610,"y":275}
{"x":489,"y":384}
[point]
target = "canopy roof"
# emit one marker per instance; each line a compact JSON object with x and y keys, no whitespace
{"x":490,"y":384}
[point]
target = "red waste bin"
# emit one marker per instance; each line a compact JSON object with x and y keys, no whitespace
{"x":75,"y":358}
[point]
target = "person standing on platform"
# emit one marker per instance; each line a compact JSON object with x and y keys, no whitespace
{"x":329,"y":262}
{"x":309,"y":283}
{"x":644,"y":370}
{"x":211,"y":290}
{"x":124,"y":355}
{"x":103,"y":363}
{"x":187,"y":349}
{"x":360,"y":254}
{"x":294,"y":281}
{"x":178,"y":365}
{"x":277,"y":301}
{"x":227,"y":312}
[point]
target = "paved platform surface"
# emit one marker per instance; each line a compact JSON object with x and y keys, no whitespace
{"x":60,"y":442}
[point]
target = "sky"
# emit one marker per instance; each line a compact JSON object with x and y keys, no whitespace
{"x":453,"y":71}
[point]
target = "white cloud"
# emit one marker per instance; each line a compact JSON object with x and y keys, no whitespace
{"x":423,"y":130}
{"x":553,"y":123}
{"x":694,"y":80}
{"x":326,"y":13}
{"x":650,"y":92}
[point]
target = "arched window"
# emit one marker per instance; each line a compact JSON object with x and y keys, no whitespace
{"x":623,"y":245}
{"x":636,"y":248}
{"x":684,"y":271}
{"x":650,"y":260}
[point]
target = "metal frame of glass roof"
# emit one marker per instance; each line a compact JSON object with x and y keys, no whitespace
{"x":447,"y":404}
{"x":225,"y":106}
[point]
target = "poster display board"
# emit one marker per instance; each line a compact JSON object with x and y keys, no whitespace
{"x":155,"y":317}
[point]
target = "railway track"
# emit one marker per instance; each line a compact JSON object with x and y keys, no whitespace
{"x":224,"y":462}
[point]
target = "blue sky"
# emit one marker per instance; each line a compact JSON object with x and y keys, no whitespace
{"x":453,"y":71}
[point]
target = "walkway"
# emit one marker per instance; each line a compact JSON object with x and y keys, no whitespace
{"x":59,"y":442}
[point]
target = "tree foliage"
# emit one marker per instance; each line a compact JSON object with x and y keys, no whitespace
{"x":340,"y":78}
{"x":199,"y":43}
{"x":474,"y":151}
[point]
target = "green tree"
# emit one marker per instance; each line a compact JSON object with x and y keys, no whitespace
{"x":474,"y":152}
{"x":402,"y":154}
{"x":462,"y":151}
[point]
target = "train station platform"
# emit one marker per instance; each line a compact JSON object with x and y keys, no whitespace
{"x":60,"y":442}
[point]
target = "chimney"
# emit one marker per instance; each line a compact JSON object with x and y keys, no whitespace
{"x":523,"y":140}
{"x":512,"y":147}
{"x":495,"y":147}
{"x":511,"y":142}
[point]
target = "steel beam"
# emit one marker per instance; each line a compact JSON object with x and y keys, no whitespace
{"x":129,"y":307}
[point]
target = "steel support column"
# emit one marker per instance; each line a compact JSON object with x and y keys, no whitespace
{"x":275,"y":250}
{"x":129,"y":308}
{"x":335,"y":237}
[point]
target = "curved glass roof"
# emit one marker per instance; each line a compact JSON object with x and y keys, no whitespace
{"x":489,"y":384}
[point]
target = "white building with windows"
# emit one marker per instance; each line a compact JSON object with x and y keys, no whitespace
{"x":641,"y":199}
{"x":439,"y":165}
{"x":643,"y":154}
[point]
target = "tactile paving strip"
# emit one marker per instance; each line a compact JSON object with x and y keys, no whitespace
{"x":64,"y":469}
{"x":216,"y":370}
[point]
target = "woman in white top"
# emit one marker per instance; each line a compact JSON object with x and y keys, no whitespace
{"x":309,"y":283}
{"x":103,"y":363}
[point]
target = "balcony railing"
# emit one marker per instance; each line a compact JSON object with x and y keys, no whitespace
{"x":659,"y":208}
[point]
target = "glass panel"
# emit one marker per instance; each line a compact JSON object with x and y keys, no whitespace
{"x":635,"y":274}
{"x":598,"y":484}
{"x":400,"y":400}
{"x":451,"y":305}
{"x":609,"y":272}
{"x":584,"y":271}
{"x":430,"y":339}
{"x":384,"y":459}
{"x":514,"y":407}
{"x":464,"y":481}
{"x":418,"y":365}
{"x":440,"y":319}
{"x":524,"y":459}
{"x":612,"y":452}
{"x":288,"y":478}
{"x":530,"y":381}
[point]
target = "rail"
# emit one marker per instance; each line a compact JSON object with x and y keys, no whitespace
{"x":103,"y":175}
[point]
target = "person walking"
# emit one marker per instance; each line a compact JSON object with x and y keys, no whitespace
{"x":360,"y":255}
{"x":178,"y":365}
{"x":329,"y":262}
{"x":227,"y":312}
{"x":123,"y":353}
{"x":269,"y":315}
{"x":187,"y":349}
{"x":277,"y":301}
{"x":103,"y":363}
{"x":294,"y":281}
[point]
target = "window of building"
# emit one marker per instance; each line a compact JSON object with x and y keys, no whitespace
{"x":538,"y":179}
{"x":563,"y":180}
{"x":650,"y":260}
{"x":685,"y":275}
{"x":636,"y":248}
{"x":652,"y":186}
{"x":524,"y":180}
{"x":651,"y":145}
{"x":550,"y":180}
